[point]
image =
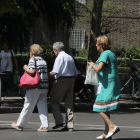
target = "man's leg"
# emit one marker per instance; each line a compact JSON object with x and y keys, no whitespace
{"x":68,"y":99}
{"x":58,"y":91}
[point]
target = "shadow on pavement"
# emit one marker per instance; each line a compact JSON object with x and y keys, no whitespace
{"x":127,"y":139}
{"x":123,"y":111}
{"x":3,"y":128}
{"x":117,"y":111}
{"x":74,"y":130}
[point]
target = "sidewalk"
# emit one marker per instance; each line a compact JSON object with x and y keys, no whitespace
{"x":15,"y":104}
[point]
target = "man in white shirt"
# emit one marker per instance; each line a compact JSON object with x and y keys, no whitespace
{"x":65,"y":72}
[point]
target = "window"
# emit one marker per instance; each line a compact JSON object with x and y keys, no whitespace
{"x":82,"y":1}
{"x":77,"y":39}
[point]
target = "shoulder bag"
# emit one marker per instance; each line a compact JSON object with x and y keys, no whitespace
{"x":91,"y":76}
{"x":28,"y":81}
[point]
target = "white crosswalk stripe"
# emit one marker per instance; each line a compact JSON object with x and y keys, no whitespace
{"x":82,"y":126}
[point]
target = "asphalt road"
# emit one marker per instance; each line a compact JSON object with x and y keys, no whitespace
{"x":88,"y":125}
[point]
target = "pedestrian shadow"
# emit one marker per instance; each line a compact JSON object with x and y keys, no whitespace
{"x":75,"y":130}
{"x":88,"y":130}
{"x":117,"y":111}
{"x":4,"y":128}
{"x":127,"y":110}
{"x":127,"y":139}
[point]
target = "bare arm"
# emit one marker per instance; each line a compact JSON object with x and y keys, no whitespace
{"x":29,"y":71}
{"x":97,"y":68}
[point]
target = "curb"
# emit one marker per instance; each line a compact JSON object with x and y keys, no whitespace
{"x":130,"y":105}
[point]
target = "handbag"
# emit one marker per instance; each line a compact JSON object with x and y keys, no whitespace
{"x":91,"y":76}
{"x":28,"y":81}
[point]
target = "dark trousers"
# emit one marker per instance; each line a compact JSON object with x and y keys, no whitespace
{"x":7,"y":81}
{"x":62,"y":89}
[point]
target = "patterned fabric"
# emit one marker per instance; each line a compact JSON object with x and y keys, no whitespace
{"x":41,"y":66}
{"x":108,"y":91}
{"x":91,"y":76}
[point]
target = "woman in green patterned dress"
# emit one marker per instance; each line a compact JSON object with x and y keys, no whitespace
{"x":108,"y":91}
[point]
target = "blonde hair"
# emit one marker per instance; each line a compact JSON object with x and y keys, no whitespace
{"x":36,"y":49}
{"x":104,"y":42}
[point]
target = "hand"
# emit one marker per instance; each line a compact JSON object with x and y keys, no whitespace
{"x":25,"y":67}
{"x":52,"y":74}
{"x":90,"y":63}
{"x":49,"y":75}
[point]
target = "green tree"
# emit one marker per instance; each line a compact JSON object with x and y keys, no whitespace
{"x":17,"y":18}
{"x":12,"y":7}
{"x":95,"y":29}
{"x":110,"y":10}
{"x":99,"y":12}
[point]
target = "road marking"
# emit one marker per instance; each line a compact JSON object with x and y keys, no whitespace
{"x":135,"y":130}
{"x":84,"y":125}
{"x":5,"y":124}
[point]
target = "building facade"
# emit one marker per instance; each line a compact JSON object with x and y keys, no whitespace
{"x":124,"y":28}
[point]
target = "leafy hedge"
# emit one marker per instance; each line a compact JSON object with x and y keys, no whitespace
{"x":126,"y":51}
{"x":123,"y":53}
{"x":22,"y":60}
{"x":123,"y":63}
{"x":120,"y":51}
{"x":47,"y":54}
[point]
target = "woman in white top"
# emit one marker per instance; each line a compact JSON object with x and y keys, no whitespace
{"x":6,"y":57}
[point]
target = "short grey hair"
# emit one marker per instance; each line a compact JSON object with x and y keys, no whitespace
{"x":58,"y":46}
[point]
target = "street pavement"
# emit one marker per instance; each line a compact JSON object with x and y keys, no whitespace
{"x":14,"y":104}
{"x":88,"y":125}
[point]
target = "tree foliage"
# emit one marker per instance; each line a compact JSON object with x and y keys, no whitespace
{"x":110,"y":10}
{"x":17,"y":18}
{"x":95,"y":29}
{"x":12,"y":7}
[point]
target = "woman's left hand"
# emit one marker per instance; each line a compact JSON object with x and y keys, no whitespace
{"x":25,"y":67}
{"x":90,"y":63}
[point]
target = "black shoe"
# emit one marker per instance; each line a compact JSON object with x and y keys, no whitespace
{"x":58,"y":126}
{"x":67,"y":129}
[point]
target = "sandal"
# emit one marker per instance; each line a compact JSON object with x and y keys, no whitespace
{"x":44,"y":129}
{"x":14,"y":125}
{"x":110,"y":134}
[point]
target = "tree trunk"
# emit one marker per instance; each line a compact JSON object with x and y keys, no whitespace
{"x":95,"y":29}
